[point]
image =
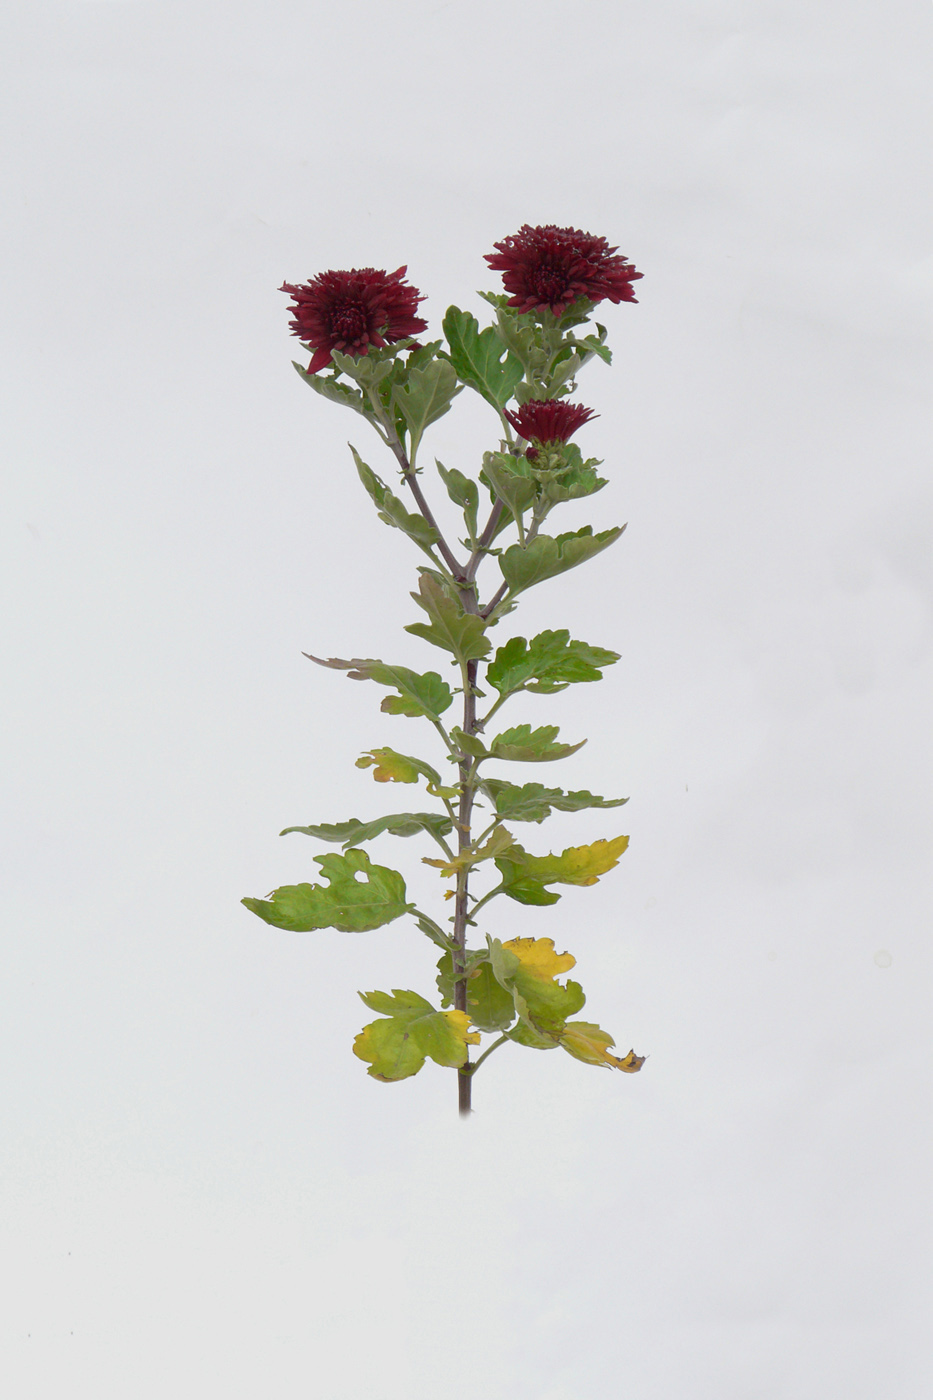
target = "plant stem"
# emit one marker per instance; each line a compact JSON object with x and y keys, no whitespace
{"x":464,"y":819}
{"x":392,"y":441}
{"x":494,"y":1046}
{"x":483,"y":541}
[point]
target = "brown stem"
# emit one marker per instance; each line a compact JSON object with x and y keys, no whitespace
{"x":461,"y":906}
{"x":484,"y":539}
{"x":447,"y":554}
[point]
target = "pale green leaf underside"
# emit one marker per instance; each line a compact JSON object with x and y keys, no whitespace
{"x":354,"y":832}
{"x":345,"y":903}
{"x":522,"y":744}
{"x":546,"y":556}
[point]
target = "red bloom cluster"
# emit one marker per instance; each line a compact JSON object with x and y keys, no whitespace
{"x":551,"y":267}
{"x":350,"y":311}
{"x":546,"y":421}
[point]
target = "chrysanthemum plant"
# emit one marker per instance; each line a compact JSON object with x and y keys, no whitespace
{"x":359,"y":328}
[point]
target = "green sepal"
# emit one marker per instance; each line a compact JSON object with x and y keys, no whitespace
{"x":533,"y":802}
{"x":464,"y":492}
{"x":481,"y":358}
{"x":397,"y":1047}
{"x":461,"y":633}
{"x":544,"y":557}
{"x":418,"y":695}
{"x":345,"y":903}
{"x":522,"y":744}
{"x":425,"y":395}
{"x":354,"y":832}
{"x":547,"y":664}
{"x":391,"y":509}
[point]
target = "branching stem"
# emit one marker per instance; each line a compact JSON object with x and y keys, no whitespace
{"x":494,"y":1046}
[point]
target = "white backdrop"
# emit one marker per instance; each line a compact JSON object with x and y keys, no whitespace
{"x":204,"y":1193}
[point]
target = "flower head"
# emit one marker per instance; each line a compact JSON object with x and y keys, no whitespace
{"x":350,"y":311}
{"x":551,"y":267}
{"x":546,"y":421}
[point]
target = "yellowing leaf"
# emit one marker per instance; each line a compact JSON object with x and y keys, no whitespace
{"x":500,"y":840}
{"x":396,"y":1048}
{"x":391,"y":767}
{"x":538,"y":958}
{"x":528,"y":968}
{"x":587,"y":1042}
{"x":524,"y":876}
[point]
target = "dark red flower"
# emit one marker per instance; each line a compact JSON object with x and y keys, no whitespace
{"x":551,"y":266}
{"x":350,"y":311}
{"x":545,"y":421}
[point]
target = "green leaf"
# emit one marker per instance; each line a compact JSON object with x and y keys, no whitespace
{"x":548,"y":663}
{"x":390,"y":508}
{"x":418,"y":695}
{"x":370,"y":369}
{"x":469,"y":744}
{"x":562,"y":375}
{"x":354,"y":832}
{"x":391,"y":767}
{"x":490,"y":1005}
{"x":424,"y":396}
{"x":511,"y":481}
{"x":577,"y":478}
{"x":331,"y":388}
{"x":592,"y":345}
{"x":522,"y":744}
{"x":396,"y":1048}
{"x":464,"y":492}
{"x":433,"y":931}
{"x":545,"y":557}
{"x":481,"y":358}
{"x":523,"y":337}
{"x":346,"y":903}
{"x":524,"y":876}
{"x":533,"y":801}
{"x":463,"y":634}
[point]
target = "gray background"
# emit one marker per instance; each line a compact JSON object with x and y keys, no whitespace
{"x":204,"y":1193}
